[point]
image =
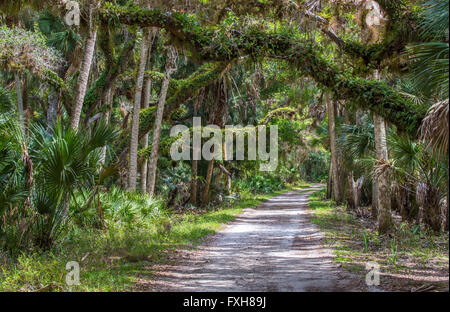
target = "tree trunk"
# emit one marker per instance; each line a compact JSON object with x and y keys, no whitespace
{"x":354,"y":191}
{"x":209,"y":171}
{"x":218,"y":113}
{"x":351,"y":204}
{"x":111,"y":74}
{"x":383,"y":189}
{"x":358,"y":191}
{"x":228,"y":184}
{"x":194,"y":182}
{"x":25,"y":155}
{"x":108,"y":103}
{"x":84,"y":72}
{"x":132,"y":175}
{"x":27,"y":110}
{"x":430,"y":209}
{"x":144,"y":142}
{"x":405,"y":202}
{"x":330,"y":181}
{"x":52,"y":109}
{"x":170,"y":68}
{"x":334,"y":157}
{"x":145,"y":103}
{"x":374,"y":197}
{"x":446,"y":214}
{"x":227,"y":175}
{"x":103,"y":153}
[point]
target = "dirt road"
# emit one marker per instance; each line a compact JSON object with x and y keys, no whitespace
{"x":272,"y":247}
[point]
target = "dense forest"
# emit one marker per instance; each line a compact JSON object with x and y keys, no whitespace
{"x":90,"y":90}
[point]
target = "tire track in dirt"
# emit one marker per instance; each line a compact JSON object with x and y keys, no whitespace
{"x":272,"y":247}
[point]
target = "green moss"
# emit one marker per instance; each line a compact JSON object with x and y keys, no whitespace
{"x":401,"y":29}
{"x":147,"y":118}
{"x":224,"y":45}
{"x":180,"y":93}
{"x":277,"y":112}
{"x":93,"y":94}
{"x":163,"y":150}
{"x":106,"y":43}
{"x":54,"y":79}
{"x":107,"y":77}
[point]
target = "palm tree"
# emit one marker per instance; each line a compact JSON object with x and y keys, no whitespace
{"x":83,"y":77}
{"x":108,"y":103}
{"x":170,"y":68}
{"x":65,"y":40}
{"x":434,"y":128}
{"x":195,"y":150}
{"x":13,"y":182}
{"x":42,"y":171}
{"x":383,"y":197}
{"x":429,"y":69}
{"x":415,"y":169}
{"x":356,"y":142}
{"x":145,"y":103}
{"x":67,"y":162}
{"x":144,"y":140}
{"x":132,"y":175}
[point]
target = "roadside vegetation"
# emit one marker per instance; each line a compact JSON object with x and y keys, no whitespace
{"x":410,"y":258}
{"x":135,"y":240}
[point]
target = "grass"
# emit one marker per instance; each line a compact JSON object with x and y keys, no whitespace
{"x":111,"y":259}
{"x":407,"y":256}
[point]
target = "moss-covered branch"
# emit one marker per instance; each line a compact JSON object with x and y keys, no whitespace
{"x":183,"y":90}
{"x":281,"y":111}
{"x":56,"y":81}
{"x":402,"y":28}
{"x":210,"y":43}
{"x":107,"y":78}
{"x":154,"y":75}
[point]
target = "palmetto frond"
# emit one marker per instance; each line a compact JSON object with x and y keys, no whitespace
{"x":430,"y":67}
{"x":68,"y":159}
{"x":12,"y":179}
{"x":430,"y":71}
{"x":357,"y":141}
{"x":435,"y":19}
{"x":410,"y":90}
{"x":59,"y":35}
{"x":5,"y":100}
{"x":404,"y":152}
{"x":431,"y":58}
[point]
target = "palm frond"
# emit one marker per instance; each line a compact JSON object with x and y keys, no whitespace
{"x":357,"y":141}
{"x":5,"y":100}
{"x":430,"y":66}
{"x":403,"y":151}
{"x":435,"y":19}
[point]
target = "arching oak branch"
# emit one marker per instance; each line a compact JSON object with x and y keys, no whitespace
{"x":213,"y":44}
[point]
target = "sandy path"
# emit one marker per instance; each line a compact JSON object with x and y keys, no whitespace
{"x":273,"y":247}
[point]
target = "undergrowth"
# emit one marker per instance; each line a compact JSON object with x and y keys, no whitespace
{"x":408,"y":250}
{"x":139,"y":232}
